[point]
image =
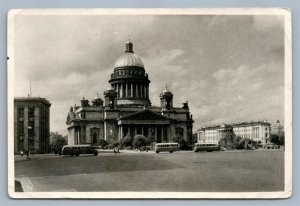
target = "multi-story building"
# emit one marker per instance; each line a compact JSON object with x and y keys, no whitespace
{"x":31,"y":124}
{"x":213,"y":134}
{"x":127,"y":109}
{"x":258,"y":131}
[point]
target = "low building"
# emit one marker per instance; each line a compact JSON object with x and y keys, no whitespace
{"x":31,"y":124}
{"x":258,"y":131}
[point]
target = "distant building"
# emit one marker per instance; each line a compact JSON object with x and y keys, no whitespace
{"x":31,"y":124}
{"x":127,"y":109}
{"x":278,"y":129}
{"x":258,"y":131}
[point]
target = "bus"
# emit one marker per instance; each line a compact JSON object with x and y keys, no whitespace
{"x":78,"y":150}
{"x":208,"y":147}
{"x":166,"y":147}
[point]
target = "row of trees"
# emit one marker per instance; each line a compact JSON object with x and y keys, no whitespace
{"x":140,"y":142}
{"x":128,"y":142}
{"x":236,"y":142}
{"x":277,"y":139}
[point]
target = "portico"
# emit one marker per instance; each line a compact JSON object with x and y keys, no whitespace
{"x":146,"y":123}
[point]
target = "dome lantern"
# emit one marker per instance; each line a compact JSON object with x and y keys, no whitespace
{"x":129,"y":47}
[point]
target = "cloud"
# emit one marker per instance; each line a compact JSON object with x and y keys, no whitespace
{"x":229,"y":68}
{"x":268,"y":22}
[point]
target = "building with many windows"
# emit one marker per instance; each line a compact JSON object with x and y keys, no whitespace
{"x":31,"y":124}
{"x":127,"y":109}
{"x":258,"y":131}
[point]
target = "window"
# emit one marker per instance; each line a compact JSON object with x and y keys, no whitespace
{"x":20,"y":112}
{"x":21,"y":127}
{"x":31,"y":112}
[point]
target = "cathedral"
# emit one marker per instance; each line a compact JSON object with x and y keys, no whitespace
{"x":127,"y":110}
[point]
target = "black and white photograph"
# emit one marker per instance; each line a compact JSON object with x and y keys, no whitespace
{"x":150,"y":103}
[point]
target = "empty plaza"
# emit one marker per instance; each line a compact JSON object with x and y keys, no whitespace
{"x":234,"y":171}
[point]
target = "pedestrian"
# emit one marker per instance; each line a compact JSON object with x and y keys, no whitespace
{"x":115,"y":150}
{"x":28,"y":154}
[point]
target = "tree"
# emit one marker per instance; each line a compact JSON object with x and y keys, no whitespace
{"x":183,"y":144}
{"x":176,"y":139}
{"x":139,"y":141}
{"x":228,"y":142}
{"x":126,"y":141}
{"x":57,"y":141}
{"x":150,"y":140}
{"x":195,"y":138}
{"x":237,"y":139}
{"x":281,"y":139}
{"x":103,"y":143}
{"x":274,"y":138}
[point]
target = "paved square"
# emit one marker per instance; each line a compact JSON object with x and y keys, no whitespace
{"x":234,"y":171}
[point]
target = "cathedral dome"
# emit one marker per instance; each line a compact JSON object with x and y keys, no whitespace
{"x":129,"y":60}
{"x":166,"y":93}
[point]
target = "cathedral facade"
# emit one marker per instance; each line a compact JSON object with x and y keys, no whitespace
{"x":127,"y":110}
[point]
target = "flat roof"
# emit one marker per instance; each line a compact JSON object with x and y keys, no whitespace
{"x":240,"y":124}
{"x":32,"y":99}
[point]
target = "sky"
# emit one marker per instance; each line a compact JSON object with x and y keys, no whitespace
{"x":229,"y":68}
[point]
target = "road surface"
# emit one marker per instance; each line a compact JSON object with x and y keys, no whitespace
{"x":242,"y":171}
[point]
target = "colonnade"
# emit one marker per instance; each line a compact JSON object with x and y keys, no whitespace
{"x":131,"y":90}
{"x":159,"y":132}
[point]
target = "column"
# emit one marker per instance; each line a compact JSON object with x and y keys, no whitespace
{"x":135,"y":131}
{"x":142,"y":129}
{"x":148,"y":92}
{"x":155,"y":130}
{"x":169,"y":134}
{"x":118,"y":90}
{"x":126,"y":89}
{"x":142,"y":90}
{"x":145,"y":91}
{"x":121,"y":131}
{"x":121,"y":90}
{"x":78,"y":136}
{"x":131,"y":90}
{"x":162,"y":133}
{"x":137,"y":90}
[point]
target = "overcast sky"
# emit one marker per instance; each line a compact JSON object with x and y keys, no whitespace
{"x":229,"y":68}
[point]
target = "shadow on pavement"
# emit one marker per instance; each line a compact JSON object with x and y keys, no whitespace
{"x":18,"y":186}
